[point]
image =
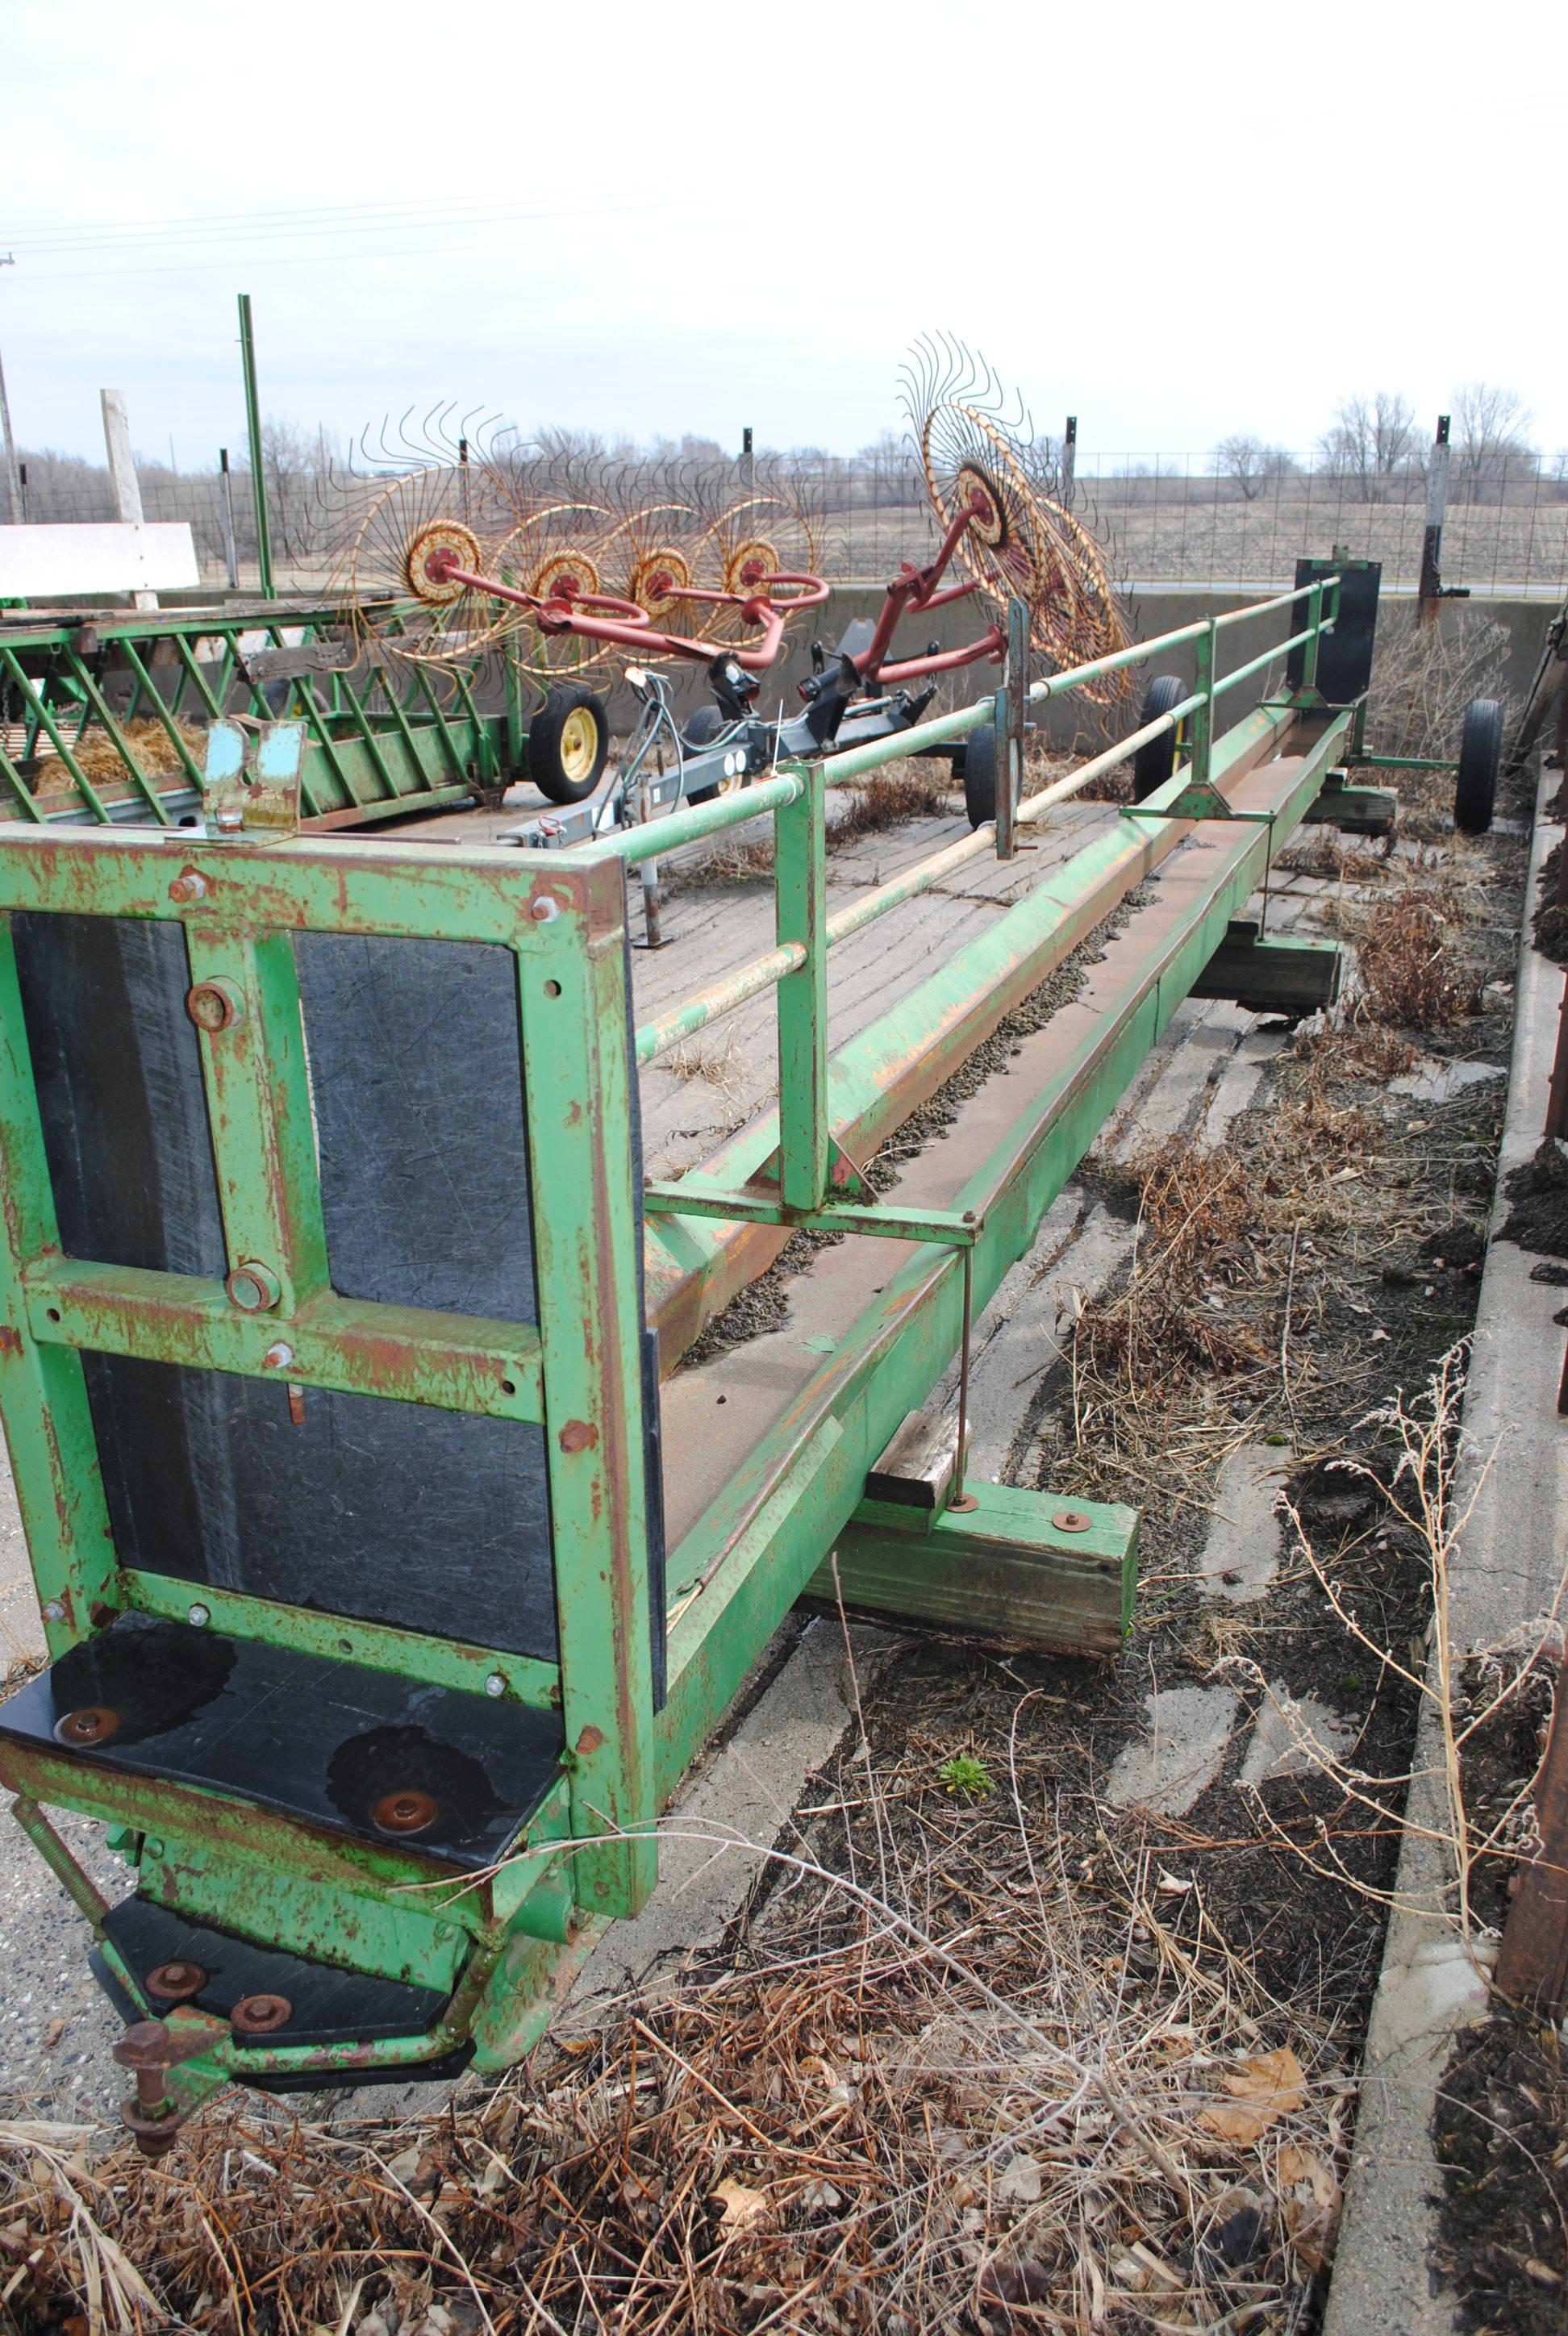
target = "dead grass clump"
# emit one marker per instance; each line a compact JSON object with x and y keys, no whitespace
{"x":1325,"y":854}
{"x":101,"y":761}
{"x":1200,"y":1213}
{"x":714,"y":1064}
{"x":1412,"y":975}
{"x":726,"y":863}
{"x":887,"y":799}
{"x":1423,"y":678}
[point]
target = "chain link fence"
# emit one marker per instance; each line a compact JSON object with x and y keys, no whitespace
{"x":1164,"y":520}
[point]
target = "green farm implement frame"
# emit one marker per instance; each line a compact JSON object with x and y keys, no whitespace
{"x":255,"y":1227}
{"x":104,"y":715}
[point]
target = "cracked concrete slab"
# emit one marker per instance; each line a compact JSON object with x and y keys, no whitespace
{"x":1241,"y":1557}
{"x":1437,"y":1081}
{"x":1189,"y":1734}
{"x":1283,"y":1727}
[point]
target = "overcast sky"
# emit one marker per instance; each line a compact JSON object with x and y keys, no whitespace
{"x":1176,"y":223}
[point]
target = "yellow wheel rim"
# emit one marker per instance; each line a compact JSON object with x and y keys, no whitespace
{"x":579,"y":744}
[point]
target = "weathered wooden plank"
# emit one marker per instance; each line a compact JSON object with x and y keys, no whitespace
{"x":1027,"y":1569}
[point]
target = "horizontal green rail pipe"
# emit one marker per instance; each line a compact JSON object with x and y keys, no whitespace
{"x":634,"y":844}
{"x":1269,"y":657}
{"x":1281,"y":600}
{"x":655,"y":1038}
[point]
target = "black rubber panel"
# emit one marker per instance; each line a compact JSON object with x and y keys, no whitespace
{"x":1155,"y":763}
{"x":388,"y":1512}
{"x":979,"y":770}
{"x":317,"y":1739}
{"x":330,"y":2005}
{"x":700,"y":733}
{"x":1344,"y":654}
{"x":545,"y":729}
{"x":1480,"y":754}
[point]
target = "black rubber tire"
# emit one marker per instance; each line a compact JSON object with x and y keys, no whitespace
{"x":980,"y":775}
{"x":545,"y":733}
{"x":701,"y":731}
{"x":1153,"y":765}
{"x":1480,"y":755}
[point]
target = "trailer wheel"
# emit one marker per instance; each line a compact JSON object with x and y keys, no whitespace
{"x":568,"y":743}
{"x":1480,"y":752}
{"x":1155,"y":763}
{"x":980,"y":774}
{"x":701,"y":731}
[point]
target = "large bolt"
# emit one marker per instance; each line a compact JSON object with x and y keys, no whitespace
{"x":153,"y":2049}
{"x":189,"y":886}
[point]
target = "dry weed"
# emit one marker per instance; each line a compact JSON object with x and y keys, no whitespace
{"x":955,"y":2087}
{"x":1423,"y":678}
{"x":101,"y":761}
{"x":888,"y":799}
{"x":726,"y":863}
{"x":1412,"y":973}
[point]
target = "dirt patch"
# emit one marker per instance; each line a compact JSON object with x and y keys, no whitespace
{"x":1538,"y":1189}
{"x":1503,"y":2220}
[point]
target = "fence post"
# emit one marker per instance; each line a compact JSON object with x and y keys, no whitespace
{"x":123,"y":476}
{"x":1431,"y":587}
{"x":1200,"y":722}
{"x":1009,"y":710}
{"x":1069,"y":460}
{"x":226,"y":514}
{"x":258,"y":476}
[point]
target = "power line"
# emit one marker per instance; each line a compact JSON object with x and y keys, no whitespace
{"x":289,"y":226}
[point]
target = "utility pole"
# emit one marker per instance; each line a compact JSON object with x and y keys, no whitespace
{"x":12,"y":481}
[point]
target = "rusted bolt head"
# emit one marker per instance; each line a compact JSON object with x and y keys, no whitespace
{"x":254,"y":1289}
{"x":578,"y":1435}
{"x":156,"y":2130}
{"x":148,"y":2044}
{"x":545,"y":910}
{"x":53,"y":1612}
{"x":215,"y":1005}
{"x":1072,"y":1521}
{"x":590,"y":1741}
{"x":259,"y":2015}
{"x":175,"y":1983}
{"x":278,"y":1357}
{"x":94,"y":1724}
{"x":408,"y":1811}
{"x":188,"y":885}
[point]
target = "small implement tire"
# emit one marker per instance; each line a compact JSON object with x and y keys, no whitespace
{"x":980,"y":774}
{"x":699,"y":732}
{"x":568,"y":743}
{"x":1480,"y":753}
{"x":1154,"y":763}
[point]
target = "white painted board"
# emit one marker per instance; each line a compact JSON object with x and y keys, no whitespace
{"x":82,"y":557}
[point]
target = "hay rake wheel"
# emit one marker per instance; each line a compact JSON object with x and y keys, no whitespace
{"x":424,"y":521}
{"x":756,"y":541}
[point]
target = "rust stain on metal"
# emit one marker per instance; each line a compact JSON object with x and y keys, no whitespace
{"x":10,"y":1340}
{"x":578,"y":1435}
{"x":589,"y":1741}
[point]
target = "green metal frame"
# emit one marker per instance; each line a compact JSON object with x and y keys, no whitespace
{"x":506,"y":1941}
{"x":384,"y":741}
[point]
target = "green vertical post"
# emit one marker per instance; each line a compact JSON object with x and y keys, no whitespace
{"x":577,"y":1084}
{"x":1009,"y":715}
{"x":253,"y":425}
{"x":800,"y":869}
{"x":1201,"y":721}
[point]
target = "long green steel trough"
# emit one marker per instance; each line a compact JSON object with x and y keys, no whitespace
{"x":338,"y":1328}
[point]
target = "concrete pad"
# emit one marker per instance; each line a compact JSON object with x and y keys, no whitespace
{"x":1189,"y":1733}
{"x":1509,"y":1563}
{"x":1436,"y":1081}
{"x":1281,"y":1723}
{"x":1241,"y":1557}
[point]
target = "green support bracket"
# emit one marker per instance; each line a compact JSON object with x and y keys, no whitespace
{"x":1269,"y":976}
{"x":1359,"y":810}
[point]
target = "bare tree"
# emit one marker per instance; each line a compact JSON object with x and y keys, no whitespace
{"x":1489,"y":441}
{"x":1251,"y":463}
{"x":1372,"y":440}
